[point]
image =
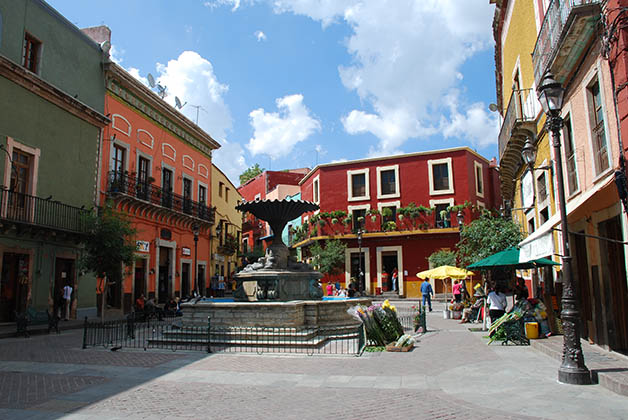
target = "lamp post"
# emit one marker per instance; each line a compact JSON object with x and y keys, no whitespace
{"x":361,"y":275}
{"x":195,"y":230}
{"x":460,"y":217}
{"x":572,"y":369}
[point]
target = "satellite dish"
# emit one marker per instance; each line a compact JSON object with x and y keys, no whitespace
{"x":493,"y":107}
{"x":105,"y":46}
{"x":177,"y":103}
{"x":151,"y":80}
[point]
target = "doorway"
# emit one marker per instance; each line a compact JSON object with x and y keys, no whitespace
{"x":13,"y":285}
{"x":64,"y":275}
{"x":163,"y":287}
{"x":389,"y":263}
{"x":356,"y":260}
{"x":201,"y":279}
{"x":185,"y":280}
{"x":139,"y":287}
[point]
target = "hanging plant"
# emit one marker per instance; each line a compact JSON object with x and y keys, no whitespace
{"x":334,"y":220}
{"x":389,"y":226}
{"x":347,"y":221}
{"x":321,"y":222}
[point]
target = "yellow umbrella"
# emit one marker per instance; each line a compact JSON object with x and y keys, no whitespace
{"x":445,"y":272}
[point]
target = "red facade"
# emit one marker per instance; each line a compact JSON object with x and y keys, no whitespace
{"x":436,"y":180}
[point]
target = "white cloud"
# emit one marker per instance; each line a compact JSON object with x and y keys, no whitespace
{"x":475,"y":124}
{"x":230,"y":159}
{"x":136,"y":73}
{"x":261,"y":36}
{"x":276,"y":133}
{"x":115,"y":55}
{"x":407,"y":55}
{"x":235,"y":4}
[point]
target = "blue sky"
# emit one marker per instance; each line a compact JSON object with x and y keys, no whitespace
{"x":289,"y":83}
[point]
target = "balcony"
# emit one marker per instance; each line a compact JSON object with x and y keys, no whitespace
{"x":125,"y":187}
{"x":519,"y":124}
{"x":23,"y":210}
{"x":566,"y":32}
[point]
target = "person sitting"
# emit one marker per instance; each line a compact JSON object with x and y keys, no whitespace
{"x":151,"y":308}
{"x":139,"y":303}
{"x":178,"y":311}
{"x":170,"y":307}
{"x":521,"y":291}
{"x":342,"y":293}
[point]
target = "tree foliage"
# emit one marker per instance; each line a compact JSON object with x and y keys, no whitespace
{"x":250,"y":173}
{"x":486,"y":236}
{"x":109,"y":244}
{"x":442,"y":257}
{"x":330,"y":259}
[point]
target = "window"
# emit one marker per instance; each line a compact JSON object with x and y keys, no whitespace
{"x":202,"y":194}
{"x":598,"y":135}
{"x":31,"y":52}
{"x":316,"y":190}
{"x":358,"y":218}
{"x":20,"y":184}
{"x":221,"y":186}
{"x":227,"y":194}
{"x":531,"y":226}
{"x":166,"y":185}
{"x":570,"y":157}
{"x":118,"y":161}
{"x":388,"y":181}
{"x":143,"y":168}
{"x":441,"y":176}
{"x":443,"y":217}
{"x":541,"y":188}
{"x":358,"y":185}
{"x":187,"y":195}
{"x":479,"y":179}
{"x":544,"y":214}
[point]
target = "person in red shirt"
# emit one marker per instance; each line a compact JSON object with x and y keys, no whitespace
{"x":456,"y":290}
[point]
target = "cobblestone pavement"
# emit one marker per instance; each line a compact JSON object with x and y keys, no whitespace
{"x":450,"y":374}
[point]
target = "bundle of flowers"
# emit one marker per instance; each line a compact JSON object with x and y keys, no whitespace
{"x":405,"y":340}
{"x":418,"y":318}
{"x":456,"y":307}
{"x":381,"y":322}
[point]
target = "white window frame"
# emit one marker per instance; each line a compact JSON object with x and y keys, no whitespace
{"x":477,"y":165}
{"x":430,"y":164}
{"x":545,"y":203}
{"x":381,"y":169}
{"x":480,"y":204}
{"x":396,"y":204}
{"x":185,"y":176}
{"x":366,"y":268}
{"x":350,"y":174}
{"x":365,"y":207}
{"x":316,"y":189}
{"x":568,"y":118}
{"x":8,"y":164}
{"x":127,"y":156}
{"x":198,"y":185}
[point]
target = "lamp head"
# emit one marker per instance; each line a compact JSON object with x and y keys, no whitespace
{"x":460,"y":217}
{"x":551,"y":94}
{"x":195,"y":229}
{"x":529,"y":152}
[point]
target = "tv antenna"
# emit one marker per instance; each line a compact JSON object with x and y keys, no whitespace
{"x":161,"y":90}
{"x":177,"y":103}
{"x":198,"y":107}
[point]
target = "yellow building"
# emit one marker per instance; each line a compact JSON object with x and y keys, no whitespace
{"x":227,"y":231}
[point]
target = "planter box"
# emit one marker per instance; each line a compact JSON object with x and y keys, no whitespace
{"x":391,"y":347}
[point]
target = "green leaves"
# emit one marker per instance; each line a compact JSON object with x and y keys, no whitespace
{"x":442,"y":257}
{"x":486,"y":236}
{"x":250,"y":173}
{"x":331,"y":258}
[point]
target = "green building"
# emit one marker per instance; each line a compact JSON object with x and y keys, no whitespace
{"x":51,"y":118}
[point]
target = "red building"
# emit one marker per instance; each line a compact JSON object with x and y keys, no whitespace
{"x":407,"y":206}
{"x":269,"y":185}
{"x":155,"y":166}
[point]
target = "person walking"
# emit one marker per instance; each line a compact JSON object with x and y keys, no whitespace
{"x":67,"y":297}
{"x":456,"y":291}
{"x":427,"y":292}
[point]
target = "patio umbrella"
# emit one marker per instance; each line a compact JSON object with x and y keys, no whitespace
{"x":445,"y":272}
{"x":509,"y":258}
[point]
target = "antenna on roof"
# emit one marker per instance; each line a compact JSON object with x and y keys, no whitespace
{"x":177,"y":103}
{"x":161,"y":90}
{"x":197,"y":108}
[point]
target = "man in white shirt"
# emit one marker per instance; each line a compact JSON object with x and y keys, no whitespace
{"x":67,"y":296}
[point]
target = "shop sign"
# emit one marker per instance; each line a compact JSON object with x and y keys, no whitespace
{"x":186,"y":251}
{"x":219,"y":257}
{"x":142,"y":246}
{"x":541,"y":247}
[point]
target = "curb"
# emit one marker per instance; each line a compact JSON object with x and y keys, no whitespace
{"x":41,"y":329}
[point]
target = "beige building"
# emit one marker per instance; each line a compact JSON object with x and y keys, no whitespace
{"x":227,"y":230}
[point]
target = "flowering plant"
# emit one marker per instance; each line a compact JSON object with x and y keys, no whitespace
{"x":381,"y":322}
{"x":456,"y":307}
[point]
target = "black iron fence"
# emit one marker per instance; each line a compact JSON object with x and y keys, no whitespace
{"x":169,"y":333}
{"x":124,"y":183}
{"x":28,"y":209}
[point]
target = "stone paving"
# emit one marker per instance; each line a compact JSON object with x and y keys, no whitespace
{"x":450,"y":374}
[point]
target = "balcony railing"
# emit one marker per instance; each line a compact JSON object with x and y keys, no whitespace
{"x":522,"y":107}
{"x":120,"y":183}
{"x":558,"y":14}
{"x":35,"y":211}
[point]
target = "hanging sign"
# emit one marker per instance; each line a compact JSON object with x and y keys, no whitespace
{"x":142,"y":246}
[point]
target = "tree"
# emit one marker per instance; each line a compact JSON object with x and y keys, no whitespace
{"x":109,"y":244}
{"x":442,"y":257}
{"x":486,"y":236}
{"x":250,"y":173}
{"x":330,"y":259}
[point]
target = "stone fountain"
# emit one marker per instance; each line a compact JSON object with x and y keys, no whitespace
{"x":275,"y":291}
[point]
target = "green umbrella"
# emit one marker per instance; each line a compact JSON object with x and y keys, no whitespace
{"x":510,"y":258}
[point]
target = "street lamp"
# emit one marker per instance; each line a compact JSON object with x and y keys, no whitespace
{"x":361,"y":274}
{"x":460,"y":218}
{"x":572,"y":370}
{"x":195,"y":231}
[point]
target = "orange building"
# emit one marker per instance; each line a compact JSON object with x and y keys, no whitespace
{"x":155,"y":165}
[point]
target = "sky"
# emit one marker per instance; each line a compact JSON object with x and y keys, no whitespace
{"x":296,"y":83}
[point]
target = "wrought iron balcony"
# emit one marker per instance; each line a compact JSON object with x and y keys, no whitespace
{"x":519,"y":124}
{"x":133,"y":187}
{"x":29,"y":210}
{"x":568,"y":26}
